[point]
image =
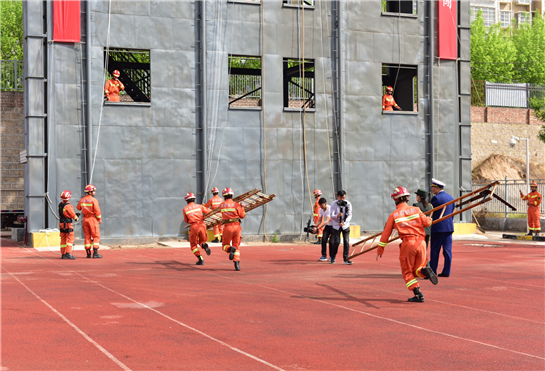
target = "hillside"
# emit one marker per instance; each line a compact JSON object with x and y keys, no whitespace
{"x":496,"y":167}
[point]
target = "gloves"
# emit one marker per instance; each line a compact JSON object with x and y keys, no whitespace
{"x":380,"y":251}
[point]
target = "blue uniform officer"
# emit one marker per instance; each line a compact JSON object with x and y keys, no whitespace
{"x":441,"y":233}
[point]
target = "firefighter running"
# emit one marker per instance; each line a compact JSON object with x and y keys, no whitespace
{"x":66,"y":214}
{"x":113,"y":87}
{"x":533,"y":199}
{"x":410,"y":223}
{"x":316,"y":214}
{"x":92,"y":217}
{"x":232,"y":213}
{"x":214,"y":203}
{"x":194,"y":215}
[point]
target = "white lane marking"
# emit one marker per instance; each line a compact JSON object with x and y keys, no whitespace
{"x":407,"y":324}
{"x":108,"y":354}
{"x":151,"y":304}
{"x":184,"y":325}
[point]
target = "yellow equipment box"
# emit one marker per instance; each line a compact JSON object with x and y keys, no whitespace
{"x":355,"y":231}
{"x":464,"y":228}
{"x":46,"y":239}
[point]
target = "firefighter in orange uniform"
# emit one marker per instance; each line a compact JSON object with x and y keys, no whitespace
{"x":388,"y":102}
{"x":232,"y":213}
{"x":316,"y":214}
{"x":113,"y":87}
{"x":533,"y":200}
{"x":66,"y":214}
{"x":214,"y":203}
{"x":410,"y":223}
{"x":92,"y":217}
{"x":194,"y":215}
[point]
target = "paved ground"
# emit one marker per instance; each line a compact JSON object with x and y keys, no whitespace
{"x":153,"y":309}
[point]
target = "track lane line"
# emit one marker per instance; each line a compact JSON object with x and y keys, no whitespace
{"x":158,"y":312}
{"x":87,"y":337}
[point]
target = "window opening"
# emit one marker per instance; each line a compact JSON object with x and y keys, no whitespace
{"x":298,"y":93}
{"x":489,"y":15}
{"x":244,"y":81}
{"x":398,"y":6}
{"x":299,"y":3}
{"x":505,"y":18}
{"x":523,"y":18}
{"x":404,"y":81}
{"x":134,"y":74}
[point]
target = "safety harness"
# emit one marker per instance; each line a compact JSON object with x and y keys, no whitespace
{"x":64,"y":220}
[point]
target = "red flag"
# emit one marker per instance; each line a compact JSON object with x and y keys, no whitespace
{"x":447,"y":29}
{"x":66,"y":21}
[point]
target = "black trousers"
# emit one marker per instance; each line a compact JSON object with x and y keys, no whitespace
{"x":328,"y":230}
{"x":336,"y":240}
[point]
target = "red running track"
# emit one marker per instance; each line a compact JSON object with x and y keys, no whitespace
{"x":153,"y":309}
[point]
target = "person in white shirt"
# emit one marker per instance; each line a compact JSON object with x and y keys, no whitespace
{"x":341,"y":214}
{"x":325,"y":220}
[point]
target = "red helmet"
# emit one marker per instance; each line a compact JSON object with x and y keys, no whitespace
{"x":227,"y":191}
{"x":399,"y":192}
{"x":215,"y":191}
{"x":66,"y":195}
{"x":90,"y":188}
{"x":317,"y":193}
{"x":533,"y":184}
{"x":116,"y":73}
{"x":389,"y":88}
{"x":189,"y":196}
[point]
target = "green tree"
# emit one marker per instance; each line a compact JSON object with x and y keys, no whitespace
{"x":11,"y":29}
{"x":538,"y":105}
{"x":529,"y":41}
{"x":492,"y":52}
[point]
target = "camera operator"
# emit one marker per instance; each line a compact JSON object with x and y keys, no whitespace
{"x":341,"y":214}
{"x":324,"y":220}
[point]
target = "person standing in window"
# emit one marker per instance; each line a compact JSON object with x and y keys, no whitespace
{"x":388,"y":101}
{"x":113,"y":87}
{"x":424,"y":206}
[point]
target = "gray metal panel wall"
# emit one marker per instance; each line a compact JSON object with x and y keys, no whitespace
{"x":147,"y":156}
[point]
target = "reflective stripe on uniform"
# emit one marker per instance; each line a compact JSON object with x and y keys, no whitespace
{"x":192,"y":211}
{"x":406,"y":218}
{"x":316,"y":214}
{"x":226,"y":210}
{"x":87,"y":245}
{"x":418,"y":272}
{"x":95,"y":244}
{"x":412,"y":282}
{"x":224,"y":247}
{"x":87,"y":205}
{"x":534,"y":196}
{"x":63,"y":245}
{"x":70,"y":244}
{"x":382,"y":244}
{"x":99,"y":216}
{"x":195,"y":250}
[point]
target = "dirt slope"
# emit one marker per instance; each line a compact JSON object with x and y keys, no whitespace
{"x":497,"y":167}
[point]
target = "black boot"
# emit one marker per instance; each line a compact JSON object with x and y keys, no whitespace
{"x":418,"y":296}
{"x":232,"y":251}
{"x":206,"y":248}
{"x":429,"y":274}
{"x":200,"y":261}
{"x":216,"y":240}
{"x":95,"y":254}
{"x":88,"y":251}
{"x":530,"y":233}
{"x":68,"y":256}
{"x":237,"y":266}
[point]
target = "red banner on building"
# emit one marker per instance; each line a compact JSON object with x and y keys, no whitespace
{"x":66,"y":21}
{"x":447,"y":25}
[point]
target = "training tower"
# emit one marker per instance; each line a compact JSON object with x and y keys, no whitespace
{"x":242,"y":94}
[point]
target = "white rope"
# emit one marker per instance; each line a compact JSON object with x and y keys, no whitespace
{"x":49,"y":231}
{"x":325,"y":100}
{"x":102,"y":87}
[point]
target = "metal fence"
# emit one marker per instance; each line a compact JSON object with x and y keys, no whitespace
{"x":242,"y":84}
{"x":11,"y":75}
{"x":509,"y":190}
{"x":489,"y":94}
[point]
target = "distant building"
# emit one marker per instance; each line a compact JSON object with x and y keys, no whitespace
{"x":505,"y":11}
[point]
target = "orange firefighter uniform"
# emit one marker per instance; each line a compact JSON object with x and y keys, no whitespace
{"x":112,"y":89}
{"x":316,"y":215}
{"x":388,"y":102}
{"x":533,"y":200}
{"x":214,"y":203}
{"x":231,"y":213}
{"x":194,"y":215}
{"x":66,"y":211}
{"x":410,"y":223}
{"x":92,"y":218}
